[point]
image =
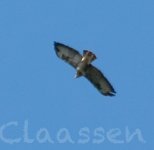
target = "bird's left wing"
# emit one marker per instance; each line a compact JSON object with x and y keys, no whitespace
{"x":97,"y":78}
{"x":68,"y":54}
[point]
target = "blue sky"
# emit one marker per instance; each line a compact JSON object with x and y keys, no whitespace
{"x":38,"y":95}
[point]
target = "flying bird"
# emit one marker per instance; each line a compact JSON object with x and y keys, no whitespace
{"x":83,"y":66}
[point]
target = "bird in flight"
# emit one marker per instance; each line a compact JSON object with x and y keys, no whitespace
{"x":83,"y":66}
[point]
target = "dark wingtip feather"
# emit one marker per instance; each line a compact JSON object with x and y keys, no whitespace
{"x":56,"y":47}
{"x":56,"y":43}
{"x":109,"y":94}
{"x":57,"y":50}
{"x":112,"y":93}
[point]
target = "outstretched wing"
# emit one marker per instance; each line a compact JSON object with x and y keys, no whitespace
{"x":68,"y":54}
{"x":97,"y":78}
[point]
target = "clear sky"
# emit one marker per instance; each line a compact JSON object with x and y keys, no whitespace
{"x":42,"y":107}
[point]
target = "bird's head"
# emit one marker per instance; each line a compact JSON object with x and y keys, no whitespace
{"x":90,"y":54}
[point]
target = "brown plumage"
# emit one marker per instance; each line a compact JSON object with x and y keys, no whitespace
{"x":83,"y":66}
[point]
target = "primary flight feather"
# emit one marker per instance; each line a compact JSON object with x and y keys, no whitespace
{"x":83,"y":66}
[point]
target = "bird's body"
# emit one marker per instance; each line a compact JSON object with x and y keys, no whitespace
{"x":83,"y":67}
{"x":87,"y":58}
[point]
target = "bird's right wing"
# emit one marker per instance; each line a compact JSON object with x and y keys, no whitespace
{"x":97,"y":78}
{"x":68,"y":54}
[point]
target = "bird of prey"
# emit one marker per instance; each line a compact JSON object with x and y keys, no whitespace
{"x":83,"y":66}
